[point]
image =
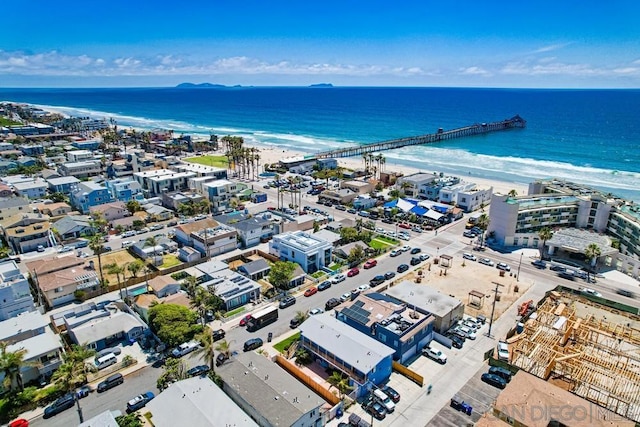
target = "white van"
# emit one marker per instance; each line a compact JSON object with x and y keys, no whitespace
{"x":107,"y":360}
{"x":382,"y":397}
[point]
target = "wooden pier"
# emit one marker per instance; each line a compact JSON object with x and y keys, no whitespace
{"x":441,"y":135}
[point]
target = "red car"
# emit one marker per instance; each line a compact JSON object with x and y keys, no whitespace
{"x":353,"y":272}
{"x":310,"y":291}
{"x":404,"y":225}
{"x":244,"y":320}
{"x":370,"y":263}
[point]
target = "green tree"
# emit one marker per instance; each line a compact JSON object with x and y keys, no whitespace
{"x":73,"y":371}
{"x":482,"y":223}
{"x":224,"y":347}
{"x":207,"y":347}
{"x":348,"y":234}
{"x":129,"y":420}
{"x":316,"y":226}
{"x":10,"y":364}
{"x":138,"y":224}
{"x":152,"y":242}
{"x":97,"y":246}
{"x":281,"y":274}
{"x":118,"y":271}
{"x":544,"y":234}
{"x":341,"y":383}
{"x":592,"y":252}
{"x":133,"y":206}
{"x":301,"y":316}
{"x":173,"y":324}
{"x":512,"y":193}
{"x":356,"y":255}
{"x":134,"y":267}
{"x":173,"y":370}
{"x":191,"y":285}
{"x":57,"y":197}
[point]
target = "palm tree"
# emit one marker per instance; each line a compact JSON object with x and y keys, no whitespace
{"x":199,"y":302}
{"x":207,"y":347}
{"x":152,"y":242}
{"x":592,"y":252}
{"x":512,"y":193}
{"x":114,"y":268}
{"x":544,"y":234}
{"x":191,"y":283}
{"x":223,"y":347}
{"x":73,"y":372}
{"x":301,"y":316}
{"x":97,"y":246}
{"x":341,"y":383}
{"x":135,"y":267}
{"x":482,"y":223}
{"x":10,"y":364}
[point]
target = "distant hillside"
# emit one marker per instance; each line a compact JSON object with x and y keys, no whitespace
{"x":322,"y":85}
{"x":198,"y":85}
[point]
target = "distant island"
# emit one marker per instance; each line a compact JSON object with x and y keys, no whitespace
{"x":199,"y":85}
{"x":322,"y":85}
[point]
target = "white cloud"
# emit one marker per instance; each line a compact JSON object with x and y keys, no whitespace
{"x":477,"y":71}
{"x":550,"y":48}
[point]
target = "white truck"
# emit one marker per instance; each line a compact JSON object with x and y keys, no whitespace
{"x":435,"y":354}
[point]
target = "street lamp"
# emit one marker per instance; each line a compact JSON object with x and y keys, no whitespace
{"x":519,"y":265}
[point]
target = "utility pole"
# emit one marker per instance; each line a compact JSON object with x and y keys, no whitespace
{"x":519,"y":264}
{"x":493,"y":309}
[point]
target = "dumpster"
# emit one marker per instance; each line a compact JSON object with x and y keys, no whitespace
{"x":460,"y":405}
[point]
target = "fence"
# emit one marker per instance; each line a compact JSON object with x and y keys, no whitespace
{"x":92,"y":376}
{"x":307,"y":380}
{"x":412,"y":375}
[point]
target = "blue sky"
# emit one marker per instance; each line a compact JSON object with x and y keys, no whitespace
{"x":554,"y":44}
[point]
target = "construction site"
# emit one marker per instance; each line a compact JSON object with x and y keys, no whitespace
{"x":584,"y":347}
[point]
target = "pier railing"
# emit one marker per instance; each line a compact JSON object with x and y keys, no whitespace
{"x":441,"y":135}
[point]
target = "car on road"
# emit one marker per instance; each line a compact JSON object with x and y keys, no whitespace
{"x":338,"y":278}
{"x":287,"y":301}
{"x":387,"y":220}
{"x":415,"y":260}
{"x":493,"y":380}
{"x":83,"y":391}
{"x":394,"y":395}
{"x":311,"y":291}
{"x":141,"y":400}
{"x":423,"y":257}
{"x":405,"y":248}
{"x":435,"y":354}
{"x":591,"y":292}
{"x":370,"y":264}
{"x":470,"y":257}
{"x":389,"y":275}
{"x":416,"y":228}
{"x":376,"y":280}
{"x":351,"y":211}
{"x":486,"y":261}
{"x":64,"y":249}
{"x":402,"y":268}
{"x":625,"y":293}
{"x":198,"y":370}
{"x":331,"y":304}
{"x":470,"y":234}
{"x":415,"y":251}
{"x":353,"y":272}
{"x":341,"y":207}
{"x":405,"y":225}
{"x":503,"y":266}
{"x":557,"y":267}
{"x":542,"y":265}
{"x":345,"y":297}
{"x":403,"y":236}
{"x":501,"y":372}
{"x":394,"y":253}
{"x":221,"y":358}
{"x":218,"y":334}
{"x":363,"y":288}
{"x":245,"y":320}
{"x":63,"y":403}
{"x":185,"y":348}
{"x":324,"y":285}
{"x":315,"y":311}
{"x":111,"y":382}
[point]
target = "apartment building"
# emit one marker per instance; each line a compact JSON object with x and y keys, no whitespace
{"x":309,"y":251}
{"x":15,"y":296}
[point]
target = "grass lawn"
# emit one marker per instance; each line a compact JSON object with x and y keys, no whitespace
{"x":6,"y":122}
{"x":169,"y":261}
{"x":318,"y":274}
{"x":379,"y":244}
{"x":234,"y":312}
{"x":387,"y":239}
{"x":286,"y":342}
{"x":217,"y":161}
{"x":335,"y":267}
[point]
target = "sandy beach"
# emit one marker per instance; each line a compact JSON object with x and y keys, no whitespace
{"x":274,"y":154}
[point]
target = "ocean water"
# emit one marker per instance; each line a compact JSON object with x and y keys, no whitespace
{"x":588,"y":136}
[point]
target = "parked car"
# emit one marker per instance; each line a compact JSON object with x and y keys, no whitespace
{"x":424,"y":257}
{"x":395,"y":253}
{"x":469,"y":234}
{"x":493,"y":380}
{"x":353,"y":272}
{"x":389,"y":275}
{"x":375,"y":408}
{"x":221,"y":358}
{"x":218,"y":334}
{"x":503,"y":351}
{"x":63,"y":403}
{"x":591,"y":292}
{"x":415,"y":260}
{"x":140,"y":401}
{"x":196,"y":371}
{"x":469,"y":332}
{"x":376,"y":280}
{"x":503,"y":266}
{"x":287,"y":301}
{"x":501,"y":372}
{"x":370,"y":263}
{"x":324,"y":285}
{"x":185,"y":348}
{"x":394,"y":395}
{"x":405,"y":225}
{"x":341,"y":207}
{"x":311,"y":291}
{"x":415,"y":251}
{"x":470,"y":257}
{"x":111,"y":382}
{"x":385,"y":400}
{"x":83,"y":391}
{"x":252,"y":344}
{"x":456,"y":341}
{"x":331,"y":304}
{"x":363,"y":288}
{"x":345,"y":297}
{"x":245,"y":320}
{"x":402,"y":268}
{"x":435,"y":354}
{"x":351,"y":211}
{"x":338,"y":278}
{"x":315,"y":311}
{"x":542,"y":265}
{"x":486,"y":261}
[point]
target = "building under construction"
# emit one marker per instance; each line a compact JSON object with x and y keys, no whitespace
{"x":585,"y":347}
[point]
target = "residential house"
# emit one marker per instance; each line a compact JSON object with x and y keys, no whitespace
{"x":15,"y":295}
{"x":269,"y":394}
{"x":342,"y":196}
{"x":234,"y":289}
{"x":415,"y":184}
{"x":255,"y":270}
{"x":158,"y":213}
{"x":363,"y":202}
{"x":359,"y":187}
{"x":220,"y":193}
{"x":32,"y":149}
{"x":73,"y":226}
{"x":10,"y":206}
{"x":88,"y":194}
{"x":64,"y":184}
{"x":188,"y":255}
{"x":25,"y":232}
{"x":30,"y":331}
{"x":252,"y":230}
{"x":421,"y":298}
{"x":54,"y":209}
{"x":389,"y":321}
{"x":195,"y":408}
{"x":6,"y":146}
{"x":142,"y":302}
{"x":59,"y":278}
{"x":84,"y":169}
{"x":336,"y":345}
{"x":309,"y":251}
{"x":110,"y":211}
{"x":163,"y":286}
{"x":26,"y":161}
{"x":125,"y":190}
{"x":7,"y":165}
{"x":90,"y":145}
{"x":474,"y":199}
{"x":34,"y":189}
{"x":99,"y":327}
{"x":174,"y":200}
{"x":79,"y":155}
{"x":159,"y":181}
{"x":327,"y":163}
{"x":207,"y":236}
{"x":168,"y":245}
{"x":144,"y":251}
{"x":103,"y":419}
{"x":5,"y":190}
{"x":48,"y":174}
